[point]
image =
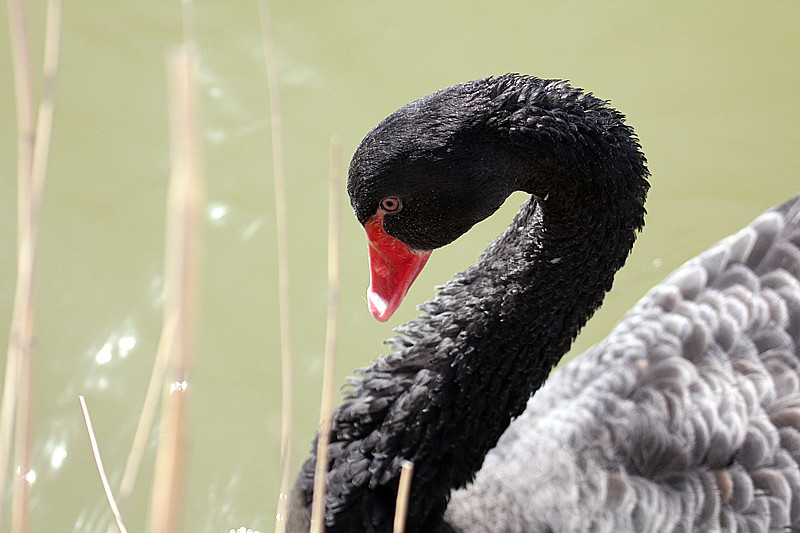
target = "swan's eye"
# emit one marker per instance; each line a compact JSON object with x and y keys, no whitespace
{"x":390,"y":204}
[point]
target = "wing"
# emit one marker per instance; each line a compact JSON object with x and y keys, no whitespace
{"x":687,"y":417}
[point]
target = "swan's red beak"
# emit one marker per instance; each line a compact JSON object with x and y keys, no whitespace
{"x":393,"y":267}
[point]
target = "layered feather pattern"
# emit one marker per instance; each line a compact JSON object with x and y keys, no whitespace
{"x":685,"y":418}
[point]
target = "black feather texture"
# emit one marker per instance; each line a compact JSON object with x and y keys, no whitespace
{"x":465,"y":368}
{"x":685,"y":418}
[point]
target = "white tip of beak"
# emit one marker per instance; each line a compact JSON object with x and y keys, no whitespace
{"x":377,"y":305}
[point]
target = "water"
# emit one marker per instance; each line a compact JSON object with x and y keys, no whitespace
{"x":711,"y":89}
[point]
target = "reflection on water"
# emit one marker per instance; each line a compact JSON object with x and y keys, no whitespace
{"x":710,"y":108}
{"x":119,"y":346}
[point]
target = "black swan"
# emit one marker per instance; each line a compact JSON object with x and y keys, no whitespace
{"x":686,"y":418}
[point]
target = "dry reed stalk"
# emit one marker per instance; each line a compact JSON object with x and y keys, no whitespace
{"x":99,"y":462}
{"x":158,"y":373}
{"x":147,"y":415}
{"x":331,"y":338}
{"x":281,"y":219}
{"x":403,"y":492}
{"x":22,"y":311}
{"x":181,"y":265}
{"x":33,"y":150}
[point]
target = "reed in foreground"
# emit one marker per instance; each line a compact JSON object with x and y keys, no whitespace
{"x":112,"y":503}
{"x":181,"y":268}
{"x":33,"y":150}
{"x":281,"y":222}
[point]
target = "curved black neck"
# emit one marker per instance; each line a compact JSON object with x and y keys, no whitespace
{"x":487,"y":341}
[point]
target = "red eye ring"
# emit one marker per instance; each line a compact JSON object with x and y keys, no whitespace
{"x":391,"y":204}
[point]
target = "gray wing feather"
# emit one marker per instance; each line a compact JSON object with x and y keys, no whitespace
{"x":685,"y":418}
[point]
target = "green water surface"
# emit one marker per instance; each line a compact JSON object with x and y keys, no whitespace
{"x":710,"y":87}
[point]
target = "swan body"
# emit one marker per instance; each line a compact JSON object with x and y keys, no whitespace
{"x":687,"y":417}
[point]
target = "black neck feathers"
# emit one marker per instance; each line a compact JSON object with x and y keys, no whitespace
{"x":461,"y":371}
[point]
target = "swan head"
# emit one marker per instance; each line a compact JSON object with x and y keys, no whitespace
{"x":437,"y":166}
{"x":419,"y":180}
